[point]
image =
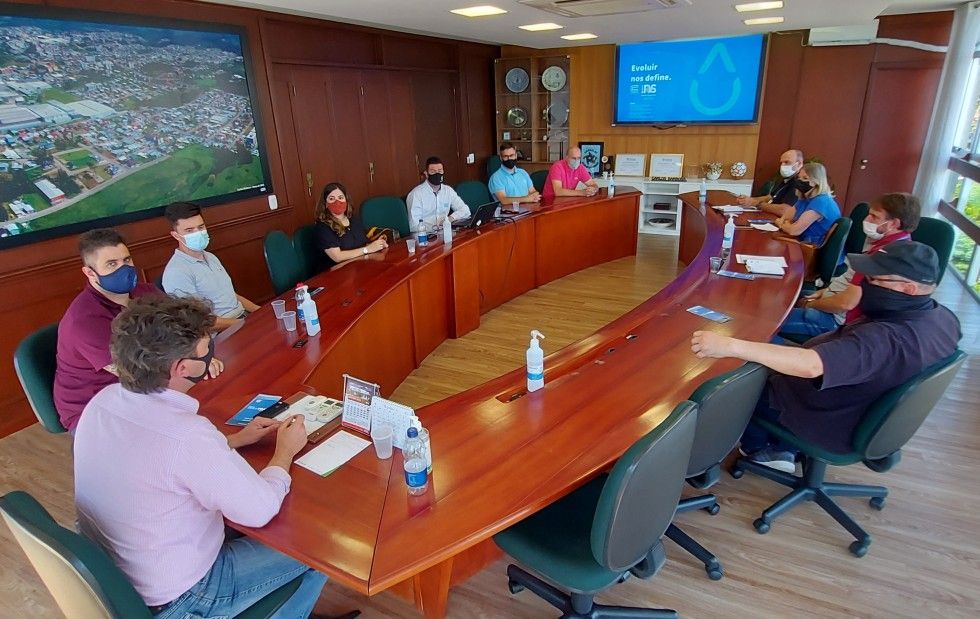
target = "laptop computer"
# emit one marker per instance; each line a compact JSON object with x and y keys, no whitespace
{"x":482,"y":215}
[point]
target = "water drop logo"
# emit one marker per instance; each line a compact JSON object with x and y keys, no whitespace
{"x":718,"y":53}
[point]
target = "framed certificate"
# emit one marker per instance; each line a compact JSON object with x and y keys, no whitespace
{"x":630,"y":164}
{"x":666,"y":166}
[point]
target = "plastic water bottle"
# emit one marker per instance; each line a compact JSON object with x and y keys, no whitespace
{"x":424,"y":437}
{"x":311,"y":319}
{"x":423,"y":235}
{"x":416,"y":476}
{"x":703,"y":191}
{"x":447,"y":231}
{"x":611,"y":187}
{"x":301,"y":289}
{"x":535,"y":363}
{"x":729,"y":235}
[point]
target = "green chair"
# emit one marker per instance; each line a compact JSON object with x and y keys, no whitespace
{"x":939,"y":235}
{"x":474,"y":193}
{"x":538,"y":179}
{"x":725,"y":406}
{"x":827,"y":256}
{"x":596,"y":536}
{"x":856,"y":237}
{"x":280,"y":258}
{"x":35,"y":361}
{"x":886,"y":426}
{"x":386,"y":212}
{"x":306,"y":251}
{"x":81,"y":577}
{"x":493,"y":164}
{"x":767,"y":187}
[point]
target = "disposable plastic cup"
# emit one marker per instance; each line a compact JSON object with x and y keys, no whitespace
{"x":289,"y":320}
{"x":383,"y":437}
{"x":411,"y":245}
{"x":279,"y":307}
{"x":715,"y":263}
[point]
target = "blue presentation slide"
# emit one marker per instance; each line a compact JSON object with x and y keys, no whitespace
{"x":704,"y":80}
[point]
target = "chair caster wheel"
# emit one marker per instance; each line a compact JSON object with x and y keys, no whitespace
{"x":877,"y":502}
{"x":761,"y":526}
{"x":715,"y":574}
{"x":737,"y":473}
{"x":514,"y":586}
{"x":858,"y":549}
{"x":714,"y":509}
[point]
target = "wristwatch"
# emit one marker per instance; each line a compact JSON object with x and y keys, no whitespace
{"x":364,"y":249}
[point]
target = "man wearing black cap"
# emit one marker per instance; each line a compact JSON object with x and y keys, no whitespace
{"x":821,"y":391}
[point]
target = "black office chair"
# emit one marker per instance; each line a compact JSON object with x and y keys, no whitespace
{"x":939,"y":235}
{"x":856,"y":237}
{"x":725,"y":406}
{"x":594,"y":537}
{"x":538,"y":179}
{"x":886,"y":426}
{"x":306,"y":252}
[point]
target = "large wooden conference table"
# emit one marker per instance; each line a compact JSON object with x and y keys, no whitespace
{"x":500,"y":454}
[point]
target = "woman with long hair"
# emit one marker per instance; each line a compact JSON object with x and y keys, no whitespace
{"x":339,"y":234}
{"x":815,"y":210}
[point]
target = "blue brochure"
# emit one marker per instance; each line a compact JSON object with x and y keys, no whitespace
{"x":258,"y":404}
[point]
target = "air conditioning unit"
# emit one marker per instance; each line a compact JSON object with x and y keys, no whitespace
{"x":601,"y":8}
{"x":861,"y":34}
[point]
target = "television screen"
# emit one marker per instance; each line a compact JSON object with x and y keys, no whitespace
{"x":695,"y":81}
{"x":107,"y":119}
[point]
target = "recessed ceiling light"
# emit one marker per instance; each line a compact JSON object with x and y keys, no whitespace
{"x":759,"y":6}
{"x":579,"y":37}
{"x":478,"y":11}
{"x":758,"y":21}
{"x":540,"y":27}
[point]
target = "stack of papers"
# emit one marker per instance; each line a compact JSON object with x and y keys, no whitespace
{"x":734,"y":208}
{"x":762,"y":265}
{"x":333,"y":453}
{"x":765,"y":227}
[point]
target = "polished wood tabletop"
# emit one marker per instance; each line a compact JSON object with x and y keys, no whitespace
{"x":500,"y":453}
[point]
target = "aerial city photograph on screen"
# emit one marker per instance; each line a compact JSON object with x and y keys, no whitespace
{"x":104,"y":120}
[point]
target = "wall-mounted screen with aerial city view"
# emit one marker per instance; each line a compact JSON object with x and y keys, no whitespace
{"x":105,"y":120}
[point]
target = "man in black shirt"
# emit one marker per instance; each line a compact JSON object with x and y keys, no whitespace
{"x":784,"y":193}
{"x":822,"y":390}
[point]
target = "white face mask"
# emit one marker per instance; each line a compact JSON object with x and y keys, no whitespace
{"x":786,"y":170}
{"x":871,"y":230}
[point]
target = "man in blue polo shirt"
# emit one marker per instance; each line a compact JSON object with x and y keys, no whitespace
{"x":511,"y":184}
{"x":822,"y":390}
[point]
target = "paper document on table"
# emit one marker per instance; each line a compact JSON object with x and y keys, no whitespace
{"x":741,"y":258}
{"x":763,"y":267}
{"x":333,"y":453}
{"x":765,"y":227}
{"x":734,"y":208}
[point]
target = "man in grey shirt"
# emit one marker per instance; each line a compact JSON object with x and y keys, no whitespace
{"x":193,"y":272}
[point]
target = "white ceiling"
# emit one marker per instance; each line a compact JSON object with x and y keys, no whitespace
{"x":703,"y":18}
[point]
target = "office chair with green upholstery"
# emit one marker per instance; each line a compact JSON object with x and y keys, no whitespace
{"x":81,"y":577}
{"x":725,"y":405}
{"x":474,"y":193}
{"x":493,"y":164}
{"x":538,"y":179}
{"x":594,"y":537}
{"x":386,"y":212}
{"x":280,"y":258}
{"x":35,"y":361}
{"x":306,"y":251}
{"x":828,"y":256}
{"x":856,"y":237}
{"x":886,"y":426}
{"x":939,"y":235}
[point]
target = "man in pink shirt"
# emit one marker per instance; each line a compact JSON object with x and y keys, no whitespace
{"x":566,"y":174}
{"x":154,"y":480}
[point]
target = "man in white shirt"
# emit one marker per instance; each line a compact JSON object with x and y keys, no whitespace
{"x":433,"y":201}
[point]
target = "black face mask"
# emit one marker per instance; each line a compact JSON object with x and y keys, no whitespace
{"x":510,"y":164}
{"x":803,"y":186}
{"x":207,"y":363}
{"x":878,"y":302}
{"x":435,"y":178}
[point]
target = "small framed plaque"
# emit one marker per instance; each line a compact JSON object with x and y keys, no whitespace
{"x":630,"y":164}
{"x":666,"y":166}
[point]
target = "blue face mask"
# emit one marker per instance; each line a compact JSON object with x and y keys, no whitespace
{"x":574,"y":163}
{"x":197,"y":241}
{"x":120,"y":281}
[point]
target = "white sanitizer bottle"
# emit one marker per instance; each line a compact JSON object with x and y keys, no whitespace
{"x":310,"y":317}
{"x":535,"y":363}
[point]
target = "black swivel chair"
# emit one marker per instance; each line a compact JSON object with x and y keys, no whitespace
{"x":886,"y":426}
{"x":725,"y":405}
{"x":594,"y":537}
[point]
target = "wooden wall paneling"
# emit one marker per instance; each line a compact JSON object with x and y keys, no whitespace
{"x":784,"y":55}
{"x":408,"y":51}
{"x":476,"y":108}
{"x":933,"y":28}
{"x":352,"y":154}
{"x":434,"y":97}
{"x":430,"y":292}
{"x":399,"y":97}
{"x":293,"y":189}
{"x":829,"y":106}
{"x":309,"y":130}
{"x":310,"y":40}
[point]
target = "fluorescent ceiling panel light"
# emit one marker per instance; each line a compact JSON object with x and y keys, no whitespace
{"x":540,"y":27}
{"x":758,"y":21}
{"x":759,"y":6}
{"x":478,"y":11}
{"x":579,"y":37}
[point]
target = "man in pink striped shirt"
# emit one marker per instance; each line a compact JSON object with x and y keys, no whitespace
{"x":154,"y":480}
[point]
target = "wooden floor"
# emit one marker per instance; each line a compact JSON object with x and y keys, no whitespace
{"x":924,"y":562}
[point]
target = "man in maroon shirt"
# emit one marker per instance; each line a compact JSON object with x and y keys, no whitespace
{"x":84,"y":361}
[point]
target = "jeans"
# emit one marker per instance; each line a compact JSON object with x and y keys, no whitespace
{"x":808,"y":321}
{"x":245,"y":572}
{"x":755,"y":437}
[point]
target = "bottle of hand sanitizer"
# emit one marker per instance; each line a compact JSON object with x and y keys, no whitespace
{"x":447,"y":231}
{"x":535,"y":363}
{"x":310,"y":317}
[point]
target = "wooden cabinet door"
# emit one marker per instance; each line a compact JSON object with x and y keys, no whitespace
{"x":349,"y":148}
{"x":436,"y":127}
{"x":389,"y":136}
{"x":310,"y":128}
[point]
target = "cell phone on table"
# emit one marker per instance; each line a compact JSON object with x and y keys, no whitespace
{"x":316,"y":291}
{"x":274,"y":410}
